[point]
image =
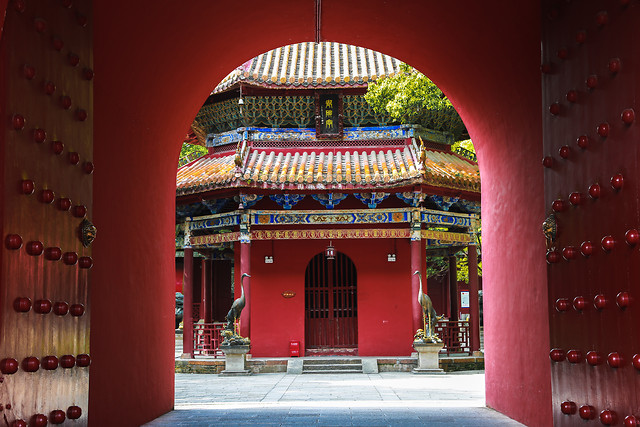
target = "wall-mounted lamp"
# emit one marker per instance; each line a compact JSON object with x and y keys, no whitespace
{"x":330,"y":252}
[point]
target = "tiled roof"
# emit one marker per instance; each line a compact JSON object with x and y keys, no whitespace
{"x":304,"y":65}
{"x":340,"y":169}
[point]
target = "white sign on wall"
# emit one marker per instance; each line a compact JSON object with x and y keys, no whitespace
{"x":464,"y":299}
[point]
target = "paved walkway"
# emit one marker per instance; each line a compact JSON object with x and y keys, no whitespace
{"x":384,"y":399}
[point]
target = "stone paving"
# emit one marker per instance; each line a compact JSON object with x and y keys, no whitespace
{"x":383,"y":399}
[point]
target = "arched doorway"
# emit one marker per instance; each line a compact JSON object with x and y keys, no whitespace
{"x":331,"y":305}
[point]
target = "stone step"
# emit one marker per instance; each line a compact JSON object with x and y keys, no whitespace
{"x":334,"y":367}
{"x":331,"y":361}
{"x":331,"y":371}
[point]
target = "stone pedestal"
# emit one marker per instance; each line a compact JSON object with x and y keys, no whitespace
{"x":427,"y":357}
{"x":234,"y":360}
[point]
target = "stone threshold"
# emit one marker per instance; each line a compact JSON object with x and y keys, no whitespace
{"x":279,"y":364}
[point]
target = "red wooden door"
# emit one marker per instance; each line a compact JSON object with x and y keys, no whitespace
{"x":331,"y":311}
{"x":591,"y":134}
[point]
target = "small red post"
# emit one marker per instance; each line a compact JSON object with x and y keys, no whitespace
{"x":187,"y":307}
{"x":474,"y":304}
{"x":416,"y":265}
{"x":245,"y":267}
{"x":206,"y":290}
{"x":453,"y":288}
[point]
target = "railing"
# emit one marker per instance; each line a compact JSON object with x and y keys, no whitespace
{"x":207,"y":339}
{"x":455,"y":335}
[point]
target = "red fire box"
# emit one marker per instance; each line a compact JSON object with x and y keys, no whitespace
{"x":294,"y":348}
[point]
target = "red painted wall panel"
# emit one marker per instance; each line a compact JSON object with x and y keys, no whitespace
{"x":592,"y":34}
{"x":384,"y":300}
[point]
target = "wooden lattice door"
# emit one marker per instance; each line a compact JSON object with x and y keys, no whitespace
{"x":331,"y":310}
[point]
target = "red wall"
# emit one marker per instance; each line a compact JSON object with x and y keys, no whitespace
{"x":384,"y":295}
{"x":154,"y":68}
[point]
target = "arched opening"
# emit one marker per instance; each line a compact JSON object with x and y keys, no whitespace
{"x":513,"y":280}
{"x":155,"y":57}
{"x":331,"y":305}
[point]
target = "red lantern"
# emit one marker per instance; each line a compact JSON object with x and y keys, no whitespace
{"x":572,"y":96}
{"x":617,"y":181}
{"x":79,"y":211}
{"x":547,"y":162}
{"x":614,"y":65}
{"x":18,"y":423}
{"x":628,"y":116}
{"x":592,"y":81}
{"x":35,"y":248}
{"x":603,"y":129}
{"x":632,"y":237}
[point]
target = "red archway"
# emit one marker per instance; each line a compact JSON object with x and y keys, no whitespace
{"x":154,"y":66}
{"x":154,"y":69}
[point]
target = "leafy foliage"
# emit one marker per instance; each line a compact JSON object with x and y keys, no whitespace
{"x":190,"y":152}
{"x":411,"y":98}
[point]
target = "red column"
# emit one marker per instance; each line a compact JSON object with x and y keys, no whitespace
{"x":187,"y":308}
{"x":416,"y":265}
{"x":474,"y":306}
{"x":453,"y":288}
{"x":205,"y":305}
{"x":245,"y":267}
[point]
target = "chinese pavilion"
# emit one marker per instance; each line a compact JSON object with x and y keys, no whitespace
{"x":329,"y":206}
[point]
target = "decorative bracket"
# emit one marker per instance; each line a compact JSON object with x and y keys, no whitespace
{"x":248,"y":200}
{"x":469,"y":206}
{"x":411,"y":198}
{"x":444,"y":202}
{"x":286,"y":201}
{"x":329,"y":200}
{"x":371,"y":199}
{"x":214,"y":206}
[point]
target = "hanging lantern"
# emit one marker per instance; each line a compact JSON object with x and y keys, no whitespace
{"x":330,"y":252}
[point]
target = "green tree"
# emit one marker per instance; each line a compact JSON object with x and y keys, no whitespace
{"x":190,"y":152}
{"x":411,"y":98}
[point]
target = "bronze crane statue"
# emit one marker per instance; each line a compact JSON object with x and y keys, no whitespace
{"x":428,"y":313}
{"x":236,"y":308}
